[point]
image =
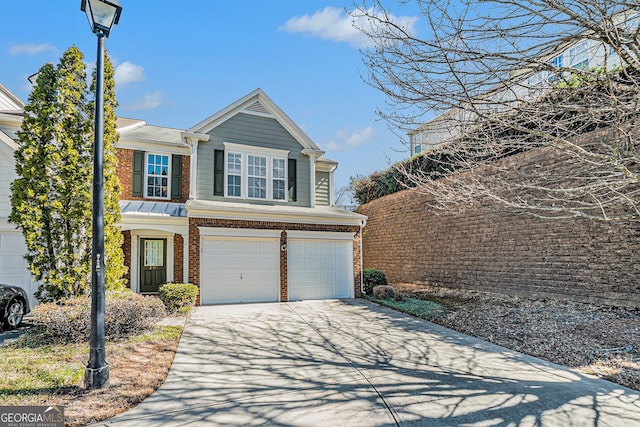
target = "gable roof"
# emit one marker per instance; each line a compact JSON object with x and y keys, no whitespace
{"x":257,"y":103}
{"x":8,"y":101}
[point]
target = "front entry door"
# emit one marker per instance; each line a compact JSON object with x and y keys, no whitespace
{"x":153,"y":264}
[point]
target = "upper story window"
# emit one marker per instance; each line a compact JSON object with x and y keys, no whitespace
{"x":255,"y":172}
{"x":578,"y":56}
{"x":557,"y":61}
{"x":279,"y":179}
{"x":157,"y":177}
{"x":234,"y":174}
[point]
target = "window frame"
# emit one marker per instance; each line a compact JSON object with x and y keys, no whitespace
{"x":147,"y":175}
{"x":270,"y":154}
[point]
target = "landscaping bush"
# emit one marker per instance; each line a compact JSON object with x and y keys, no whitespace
{"x":178,"y":297}
{"x":372,"y":277}
{"x":126,"y":314}
{"x":385,"y":292}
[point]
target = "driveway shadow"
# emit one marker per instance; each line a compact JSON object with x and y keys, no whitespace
{"x":353,"y":363}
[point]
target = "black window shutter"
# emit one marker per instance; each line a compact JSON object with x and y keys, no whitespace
{"x":138,"y":173}
{"x":293,"y":173}
{"x":176,"y":176}
{"x":218,"y":173}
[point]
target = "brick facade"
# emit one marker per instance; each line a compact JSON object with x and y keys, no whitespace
{"x":178,"y":258}
{"x":125,"y":174}
{"x":194,"y":245}
{"x":503,"y":251}
{"x":126,"y":249}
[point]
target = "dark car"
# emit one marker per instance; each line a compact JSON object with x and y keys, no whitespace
{"x":14,"y":304}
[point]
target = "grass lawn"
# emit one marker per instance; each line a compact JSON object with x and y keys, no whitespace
{"x":416,"y":307}
{"x":32,"y":373}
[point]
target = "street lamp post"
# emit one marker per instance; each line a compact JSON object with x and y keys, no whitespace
{"x":102,"y":15}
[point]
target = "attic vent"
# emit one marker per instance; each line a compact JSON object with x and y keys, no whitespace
{"x":257,"y":107}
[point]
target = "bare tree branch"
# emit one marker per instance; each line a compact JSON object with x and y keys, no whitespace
{"x":486,"y":79}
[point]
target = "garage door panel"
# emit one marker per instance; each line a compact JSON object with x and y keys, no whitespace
{"x":237,"y":270}
{"x":13,"y":267}
{"x":320,"y":268}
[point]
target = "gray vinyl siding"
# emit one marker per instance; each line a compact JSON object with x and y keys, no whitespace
{"x":323,"y":192}
{"x":254,"y":131}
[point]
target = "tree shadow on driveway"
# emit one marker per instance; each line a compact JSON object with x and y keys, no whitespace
{"x":352,"y":363}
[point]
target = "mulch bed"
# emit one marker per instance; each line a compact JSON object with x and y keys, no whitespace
{"x":599,"y":340}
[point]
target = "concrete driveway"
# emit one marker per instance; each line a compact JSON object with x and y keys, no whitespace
{"x":352,"y":363}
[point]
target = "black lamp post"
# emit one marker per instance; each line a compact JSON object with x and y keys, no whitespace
{"x":102,"y":15}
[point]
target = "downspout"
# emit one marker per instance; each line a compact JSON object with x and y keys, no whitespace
{"x":193,"y":167}
{"x":192,"y":140}
{"x":312,"y":179}
{"x":362,"y":224}
{"x":313,"y":156}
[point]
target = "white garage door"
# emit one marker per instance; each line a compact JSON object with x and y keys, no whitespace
{"x":239,"y":269}
{"x":13,"y":267}
{"x":320,"y":268}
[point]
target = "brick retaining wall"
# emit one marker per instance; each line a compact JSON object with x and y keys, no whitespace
{"x":506,"y":252}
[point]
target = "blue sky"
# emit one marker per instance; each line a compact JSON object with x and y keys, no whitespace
{"x":179,"y":62}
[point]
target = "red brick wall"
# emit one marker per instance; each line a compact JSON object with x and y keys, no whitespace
{"x":194,"y":245}
{"x":178,"y":258}
{"x":501,"y":251}
{"x":125,"y":174}
{"x":126,"y":249}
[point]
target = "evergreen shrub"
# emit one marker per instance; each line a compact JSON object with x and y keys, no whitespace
{"x":178,"y":297}
{"x":373,"y":277}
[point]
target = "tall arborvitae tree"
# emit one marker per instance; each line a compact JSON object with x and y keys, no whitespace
{"x":73,"y":181}
{"x":51,"y":198}
{"x":32,"y":192}
{"x":113,"y":238}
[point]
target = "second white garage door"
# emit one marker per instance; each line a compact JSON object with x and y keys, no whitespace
{"x":320,"y":267}
{"x":239,"y":269}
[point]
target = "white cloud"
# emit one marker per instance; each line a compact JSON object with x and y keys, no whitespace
{"x":149,"y":102}
{"x":31,"y":49}
{"x":335,"y":24}
{"x":127,"y":73}
{"x":345,"y":140}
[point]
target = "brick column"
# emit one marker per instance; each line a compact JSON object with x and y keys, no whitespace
{"x":284,"y":284}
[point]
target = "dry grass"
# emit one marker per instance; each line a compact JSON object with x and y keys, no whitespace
{"x":599,"y":340}
{"x":138,"y":367}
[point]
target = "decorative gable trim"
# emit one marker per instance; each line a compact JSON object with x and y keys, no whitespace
{"x":8,"y":101}
{"x":242,"y":106}
{"x":257,"y":109}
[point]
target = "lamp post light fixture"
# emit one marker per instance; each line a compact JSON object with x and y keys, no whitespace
{"x":102,"y":16}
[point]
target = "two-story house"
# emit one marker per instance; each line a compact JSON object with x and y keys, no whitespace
{"x":240,"y":204}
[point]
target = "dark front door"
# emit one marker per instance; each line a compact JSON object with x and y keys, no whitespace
{"x":153,"y":264}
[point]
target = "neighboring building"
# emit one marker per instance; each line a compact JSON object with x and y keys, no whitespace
{"x":240,"y":204}
{"x":524,"y":86}
{"x":13,"y":266}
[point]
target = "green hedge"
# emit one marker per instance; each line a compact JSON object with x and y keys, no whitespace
{"x":178,"y":297}
{"x":371,"y":278}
